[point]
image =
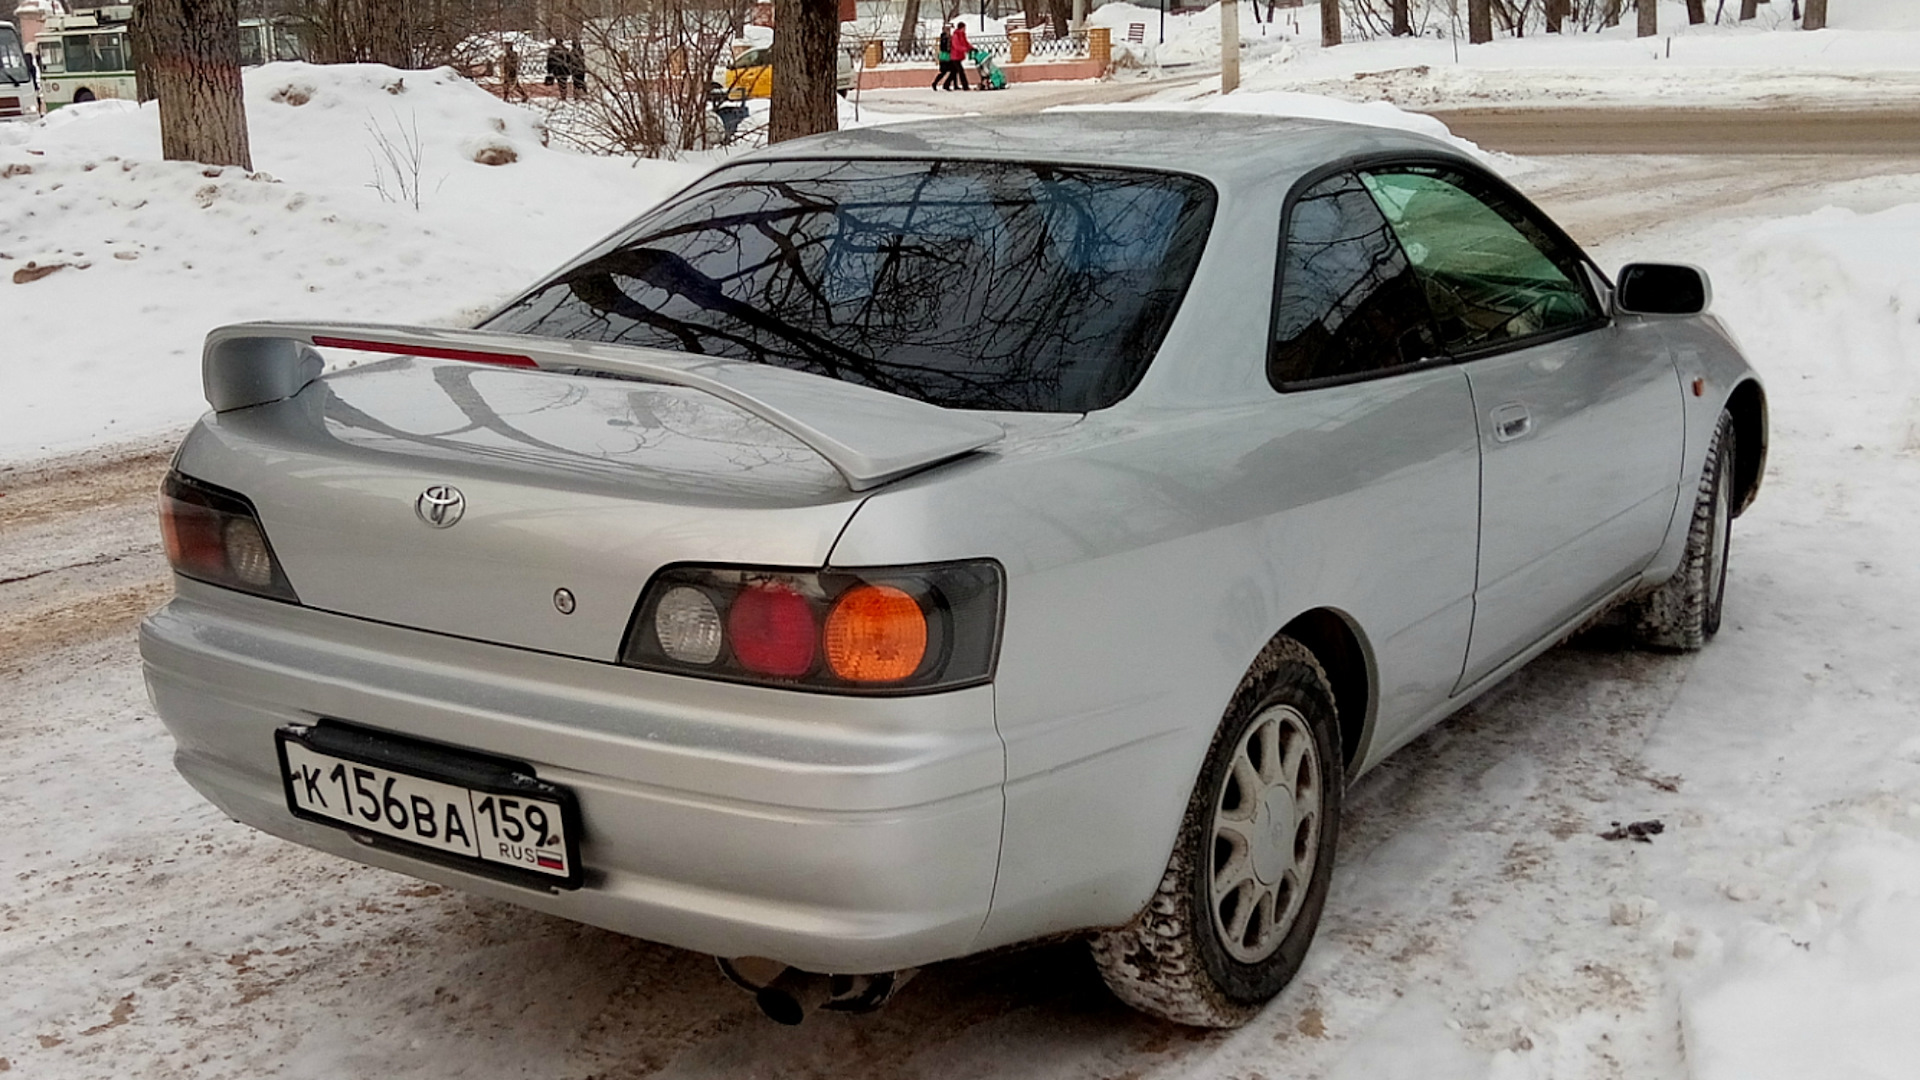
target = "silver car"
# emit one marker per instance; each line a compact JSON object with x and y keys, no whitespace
{"x":920,"y":540}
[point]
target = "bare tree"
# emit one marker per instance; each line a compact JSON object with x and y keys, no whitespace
{"x":361,"y":31}
{"x":1696,"y":12}
{"x":1814,"y":17}
{"x":1649,"y":12}
{"x":1556,"y":15}
{"x":1749,"y":9}
{"x":1330,"y":23}
{"x":804,"y":69}
{"x":1402,"y":26}
{"x":1479,"y":21}
{"x":195,"y":56}
{"x":649,"y":63}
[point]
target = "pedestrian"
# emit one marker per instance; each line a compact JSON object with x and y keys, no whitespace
{"x":510,"y":75}
{"x":962,"y":49}
{"x":577,"y":61}
{"x":945,"y":56}
{"x":557,"y":67}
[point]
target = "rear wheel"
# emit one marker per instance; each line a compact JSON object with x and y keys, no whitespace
{"x":1242,"y":893}
{"x":82,"y":96}
{"x":1684,"y":613}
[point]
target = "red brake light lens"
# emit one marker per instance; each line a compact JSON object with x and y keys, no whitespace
{"x":773,"y":631}
{"x":214,"y":535}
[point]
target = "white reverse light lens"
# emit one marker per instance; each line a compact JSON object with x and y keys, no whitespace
{"x":688,"y":626}
{"x":247,"y":555}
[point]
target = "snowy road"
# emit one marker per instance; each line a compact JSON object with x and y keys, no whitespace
{"x":1478,"y":925}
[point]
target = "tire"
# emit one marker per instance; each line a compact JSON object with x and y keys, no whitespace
{"x":1211,"y":957}
{"x":1684,"y":614}
{"x":82,"y":96}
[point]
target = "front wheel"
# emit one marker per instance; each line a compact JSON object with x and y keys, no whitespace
{"x":82,"y":96}
{"x":1684,"y":614}
{"x":1241,"y":895}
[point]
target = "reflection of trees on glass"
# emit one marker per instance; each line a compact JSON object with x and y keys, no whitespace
{"x":1349,"y":302}
{"x":988,"y":285}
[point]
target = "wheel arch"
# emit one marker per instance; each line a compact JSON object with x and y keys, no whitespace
{"x":1337,"y":642}
{"x":1748,"y":407}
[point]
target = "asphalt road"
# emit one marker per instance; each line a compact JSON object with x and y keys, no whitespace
{"x":1688,"y":131}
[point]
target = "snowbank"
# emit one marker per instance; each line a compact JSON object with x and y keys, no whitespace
{"x":1797,"y":933}
{"x":114,"y":264}
{"x":1869,"y":56}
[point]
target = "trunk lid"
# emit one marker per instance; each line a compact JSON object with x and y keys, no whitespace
{"x":564,"y":481}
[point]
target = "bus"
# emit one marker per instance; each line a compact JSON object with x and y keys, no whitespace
{"x":19,"y":86}
{"x":87,"y":57}
{"x":84,"y":57}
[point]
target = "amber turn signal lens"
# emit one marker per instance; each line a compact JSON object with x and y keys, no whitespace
{"x":876,"y":633}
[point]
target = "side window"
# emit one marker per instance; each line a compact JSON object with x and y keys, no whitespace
{"x":1349,"y":302}
{"x":1490,"y":271}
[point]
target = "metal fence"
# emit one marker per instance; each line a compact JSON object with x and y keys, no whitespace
{"x":1072,"y":46}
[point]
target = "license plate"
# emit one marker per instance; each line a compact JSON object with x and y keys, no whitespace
{"x":482,"y":814}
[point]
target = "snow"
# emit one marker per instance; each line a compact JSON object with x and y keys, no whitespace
{"x":1479,"y":928}
{"x":1795,"y":735}
{"x":156,"y":253}
{"x":1869,"y":56}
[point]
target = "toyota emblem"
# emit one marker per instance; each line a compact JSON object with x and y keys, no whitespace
{"x":440,"y":506}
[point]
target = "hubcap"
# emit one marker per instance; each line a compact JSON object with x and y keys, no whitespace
{"x":1266,"y":834}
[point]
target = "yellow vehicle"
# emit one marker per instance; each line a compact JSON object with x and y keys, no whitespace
{"x":750,"y":75}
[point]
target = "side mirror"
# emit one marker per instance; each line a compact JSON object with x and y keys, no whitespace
{"x":1662,"y":289}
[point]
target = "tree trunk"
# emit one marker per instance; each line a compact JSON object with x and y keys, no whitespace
{"x":1061,"y":12}
{"x":1031,"y":9}
{"x":196,"y":76}
{"x":388,"y":41}
{"x":1696,"y":12}
{"x":1814,"y":16}
{"x":909,"y":26}
{"x":140,"y":53}
{"x":1749,"y":9}
{"x":1402,"y":26}
{"x":1649,"y":11}
{"x":806,"y":34}
{"x":1329,"y":22}
{"x":1479,"y":21}
{"x":1612,"y":16}
{"x":1556,"y":15}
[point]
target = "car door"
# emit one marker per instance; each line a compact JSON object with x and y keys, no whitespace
{"x":1579,"y":417}
{"x":1382,"y":451}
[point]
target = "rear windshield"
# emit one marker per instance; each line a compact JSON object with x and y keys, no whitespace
{"x":968,"y":284}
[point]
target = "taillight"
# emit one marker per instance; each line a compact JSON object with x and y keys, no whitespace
{"x":888,"y":630}
{"x":213,"y":535}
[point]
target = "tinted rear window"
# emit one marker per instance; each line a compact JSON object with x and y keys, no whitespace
{"x":973,"y":285}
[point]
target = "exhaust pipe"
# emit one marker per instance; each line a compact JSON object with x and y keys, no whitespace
{"x":787,"y":994}
{"x":793,"y":995}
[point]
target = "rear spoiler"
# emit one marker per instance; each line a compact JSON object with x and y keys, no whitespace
{"x":868,"y":435}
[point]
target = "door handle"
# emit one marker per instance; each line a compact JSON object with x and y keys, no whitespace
{"x":1510,"y":421}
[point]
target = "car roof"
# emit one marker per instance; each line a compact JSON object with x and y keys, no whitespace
{"x":1227,"y":148}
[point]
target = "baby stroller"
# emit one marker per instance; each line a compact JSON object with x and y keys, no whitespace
{"x":991,"y":77}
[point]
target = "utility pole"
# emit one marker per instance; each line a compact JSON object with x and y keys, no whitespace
{"x":1229,"y":46}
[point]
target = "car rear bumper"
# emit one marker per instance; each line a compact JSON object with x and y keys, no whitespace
{"x":837,"y":834}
